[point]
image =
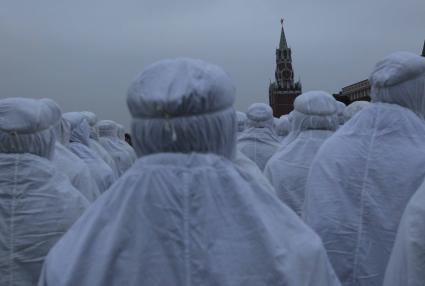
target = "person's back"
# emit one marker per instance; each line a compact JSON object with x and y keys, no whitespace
{"x":316,"y":119}
{"x":250,"y":171}
{"x":183,"y":214}
{"x":71,"y":165}
{"x":241,"y":120}
{"x":95,"y":145}
{"x":124,"y":144}
{"x":406,"y":266}
{"x":37,"y":203}
{"x":341,"y":111}
{"x":259,"y":141}
{"x":364,"y":175}
{"x":79,"y":144}
{"x":120,"y":151}
{"x":351,"y":110}
{"x":283,"y":127}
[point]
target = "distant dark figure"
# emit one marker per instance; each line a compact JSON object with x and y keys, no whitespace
{"x":128,"y":139}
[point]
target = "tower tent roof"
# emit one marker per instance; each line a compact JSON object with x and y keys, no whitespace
{"x":283,"y":44}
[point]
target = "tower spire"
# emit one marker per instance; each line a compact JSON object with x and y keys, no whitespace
{"x":283,"y":44}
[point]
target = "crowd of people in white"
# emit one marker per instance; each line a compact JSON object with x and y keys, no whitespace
{"x":327,"y":195}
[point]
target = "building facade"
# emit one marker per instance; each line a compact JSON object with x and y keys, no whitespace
{"x":284,"y":90}
{"x":354,"y":92}
{"x":358,"y":91}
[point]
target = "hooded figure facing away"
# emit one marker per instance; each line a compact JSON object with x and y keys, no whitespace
{"x":94,"y":142}
{"x":407,"y":263}
{"x":341,"y":109}
{"x":124,"y":143}
{"x":246,"y":164}
{"x":80,"y":145}
{"x":241,"y":121}
{"x":37,"y":203}
{"x":354,"y":108}
{"x":364,"y":175}
{"x":316,"y":117}
{"x":259,"y":141}
{"x":283,"y":127}
{"x":184,"y":214}
{"x":108,"y":138}
{"x":71,"y":165}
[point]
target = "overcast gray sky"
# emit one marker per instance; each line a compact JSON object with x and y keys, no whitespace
{"x":84,"y":53}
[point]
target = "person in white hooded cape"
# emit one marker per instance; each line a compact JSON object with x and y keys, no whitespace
{"x":121,"y":137}
{"x":183,"y":214}
{"x":259,"y":141}
{"x":72,"y":166}
{"x":241,"y":121}
{"x":406,"y":266}
{"x":364,"y":175}
{"x":80,"y":146}
{"x":246,"y":164}
{"x":108,"y":138}
{"x":340,"y":111}
{"x":37,"y":203}
{"x":315,"y":114}
{"x":292,"y":134}
{"x":94,"y":142}
{"x":351,"y":110}
{"x":283,"y":127}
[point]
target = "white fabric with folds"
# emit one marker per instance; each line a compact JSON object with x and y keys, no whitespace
{"x":341,"y":109}
{"x":124,"y":144}
{"x":315,"y":118}
{"x":358,"y":186}
{"x":188,"y":219}
{"x":250,"y":171}
{"x":183,"y":105}
{"x":71,"y":165}
{"x":283,"y":126}
{"x":25,"y":115}
{"x":288,"y":169}
{"x":79,"y":145}
{"x":37,"y":206}
{"x":407,"y":263}
{"x":76,"y":170}
{"x":27,"y":126}
{"x":258,"y":144}
{"x":354,"y":108}
{"x":241,"y":121}
{"x":104,"y":154}
{"x":400,"y":79}
{"x":122,"y":153}
{"x":259,"y":141}
{"x":94,"y":142}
